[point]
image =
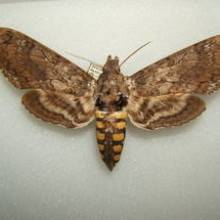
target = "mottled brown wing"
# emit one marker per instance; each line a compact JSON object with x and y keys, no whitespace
{"x":29,"y":64}
{"x":60,"y":108}
{"x":164,"y":111}
{"x":194,"y":69}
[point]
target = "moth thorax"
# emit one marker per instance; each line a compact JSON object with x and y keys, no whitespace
{"x":111,"y":103}
{"x":110,"y":133}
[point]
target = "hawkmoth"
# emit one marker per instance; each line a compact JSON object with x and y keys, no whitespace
{"x":160,"y":95}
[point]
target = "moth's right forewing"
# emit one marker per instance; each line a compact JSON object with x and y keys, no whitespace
{"x":195,"y":69}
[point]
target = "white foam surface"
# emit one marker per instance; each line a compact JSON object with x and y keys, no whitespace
{"x":50,"y":173}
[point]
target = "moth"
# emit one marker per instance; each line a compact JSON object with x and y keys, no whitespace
{"x":157,"y":96}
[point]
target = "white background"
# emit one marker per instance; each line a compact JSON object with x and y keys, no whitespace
{"x":50,"y":173}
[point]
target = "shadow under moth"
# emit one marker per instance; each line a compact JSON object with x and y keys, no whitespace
{"x":159,"y":95}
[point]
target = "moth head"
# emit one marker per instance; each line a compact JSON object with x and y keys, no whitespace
{"x":112,"y":64}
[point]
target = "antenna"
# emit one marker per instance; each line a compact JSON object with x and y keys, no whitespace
{"x":134,"y":53}
{"x":83,"y":58}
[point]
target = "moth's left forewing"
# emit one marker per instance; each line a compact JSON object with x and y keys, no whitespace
{"x":28,"y":64}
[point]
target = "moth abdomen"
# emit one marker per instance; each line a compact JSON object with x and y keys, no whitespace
{"x":110,"y":133}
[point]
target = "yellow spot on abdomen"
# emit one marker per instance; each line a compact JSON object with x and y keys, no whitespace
{"x":118,"y":137}
{"x":100,"y":136}
{"x":116,"y":157}
{"x":101,"y":147}
{"x":120,"y":125}
{"x":121,"y":115}
{"x":117,"y":148}
{"x":100,"y":124}
{"x":99,"y":114}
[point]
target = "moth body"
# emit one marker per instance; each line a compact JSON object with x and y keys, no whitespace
{"x":111,"y":103}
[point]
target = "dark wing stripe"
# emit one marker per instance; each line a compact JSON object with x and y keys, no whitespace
{"x":164,"y":111}
{"x":59,"y":108}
